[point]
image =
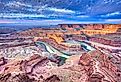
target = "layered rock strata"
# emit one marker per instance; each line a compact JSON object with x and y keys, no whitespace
{"x":93,"y":66}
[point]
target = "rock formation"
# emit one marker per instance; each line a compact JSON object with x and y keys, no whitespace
{"x":45,"y":55}
{"x":93,"y":66}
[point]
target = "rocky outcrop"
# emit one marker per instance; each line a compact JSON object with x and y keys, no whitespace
{"x":2,"y":61}
{"x":106,"y":41}
{"x":23,"y":61}
{"x":23,"y":69}
{"x":93,"y":66}
{"x":19,"y":51}
{"x":103,"y":70}
{"x":52,"y":78}
{"x":15,"y":78}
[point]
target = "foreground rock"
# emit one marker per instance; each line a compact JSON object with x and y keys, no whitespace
{"x":93,"y":66}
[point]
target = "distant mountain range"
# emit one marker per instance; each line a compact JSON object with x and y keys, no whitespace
{"x":11,"y":29}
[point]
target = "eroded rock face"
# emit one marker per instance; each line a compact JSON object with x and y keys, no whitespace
{"x":103,"y":70}
{"x":93,"y":66}
{"x":2,"y":61}
{"x":15,"y":78}
{"x":97,"y":77}
{"x":53,"y":78}
{"x":24,"y":69}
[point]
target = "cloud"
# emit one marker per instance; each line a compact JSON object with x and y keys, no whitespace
{"x":113,"y":20}
{"x":6,"y":21}
{"x":17,"y":4}
{"x":31,"y":22}
{"x":47,"y":22}
{"x":60,"y":10}
{"x":111,"y":14}
{"x":20,"y":15}
{"x":83,"y":16}
{"x":37,"y":8}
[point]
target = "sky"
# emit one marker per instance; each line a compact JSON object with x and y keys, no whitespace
{"x":53,"y":12}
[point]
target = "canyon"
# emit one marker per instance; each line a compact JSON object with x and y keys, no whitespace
{"x":67,"y":53}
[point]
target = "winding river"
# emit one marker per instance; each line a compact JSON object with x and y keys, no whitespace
{"x":53,"y":50}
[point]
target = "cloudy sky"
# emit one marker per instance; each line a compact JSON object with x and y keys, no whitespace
{"x":47,"y":12}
